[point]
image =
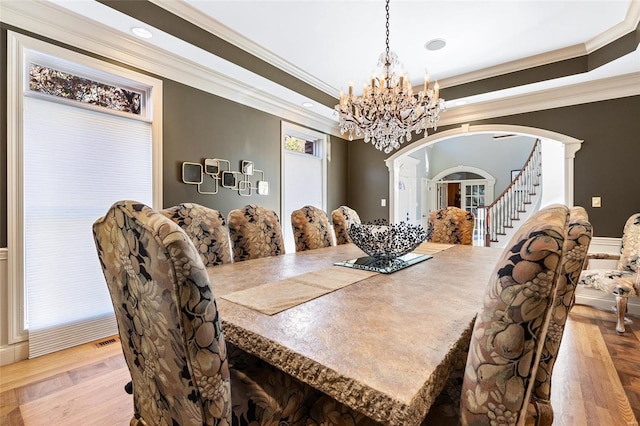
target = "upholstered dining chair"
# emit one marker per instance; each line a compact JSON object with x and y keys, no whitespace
{"x":573,"y":260}
{"x":311,"y":228}
{"x":207,"y":229}
{"x":451,"y":225}
{"x":624,"y":281}
{"x":343,"y":217}
{"x":254,"y":232}
{"x":182,"y":370}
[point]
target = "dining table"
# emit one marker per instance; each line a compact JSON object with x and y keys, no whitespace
{"x":383,"y":344}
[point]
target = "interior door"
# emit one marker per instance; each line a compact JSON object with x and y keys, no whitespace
{"x":474,"y":197}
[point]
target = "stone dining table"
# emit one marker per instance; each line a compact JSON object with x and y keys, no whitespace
{"x":384,"y":345}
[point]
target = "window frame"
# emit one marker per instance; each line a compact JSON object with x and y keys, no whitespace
{"x":21,"y":51}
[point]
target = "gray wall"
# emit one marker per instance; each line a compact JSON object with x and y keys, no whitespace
{"x":606,"y":166}
{"x":198,"y":125}
{"x":368,"y":181}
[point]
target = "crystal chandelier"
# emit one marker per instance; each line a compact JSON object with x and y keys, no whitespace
{"x":388,"y":111}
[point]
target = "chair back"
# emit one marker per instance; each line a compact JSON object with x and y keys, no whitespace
{"x":451,"y":225}
{"x":311,"y":229}
{"x":254,"y":232}
{"x":511,"y":326}
{"x":630,"y":251}
{"x":167,"y":318}
{"x":573,"y":260}
{"x":207,"y":229}
{"x":343,"y":217}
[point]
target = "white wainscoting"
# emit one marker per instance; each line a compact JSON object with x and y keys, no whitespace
{"x":19,"y":351}
{"x":600,"y":299}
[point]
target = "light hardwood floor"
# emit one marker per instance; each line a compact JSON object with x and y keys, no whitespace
{"x":596,"y":380}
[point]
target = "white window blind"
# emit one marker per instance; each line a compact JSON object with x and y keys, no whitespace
{"x":77,"y":162}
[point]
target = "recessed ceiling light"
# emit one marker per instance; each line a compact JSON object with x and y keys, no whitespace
{"x":141,"y":32}
{"x":307,"y":104}
{"x":435,"y":44}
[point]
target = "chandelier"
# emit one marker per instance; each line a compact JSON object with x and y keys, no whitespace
{"x":388,"y":111}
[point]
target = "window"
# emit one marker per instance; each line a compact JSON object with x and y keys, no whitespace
{"x":294,"y":144}
{"x":82,"y":137}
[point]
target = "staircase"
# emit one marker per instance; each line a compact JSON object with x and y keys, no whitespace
{"x":495,"y":223}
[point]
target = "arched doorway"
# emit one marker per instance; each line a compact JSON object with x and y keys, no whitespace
{"x":465,"y":187}
{"x":565,"y":157}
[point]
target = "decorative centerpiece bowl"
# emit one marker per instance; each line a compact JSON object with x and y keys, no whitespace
{"x":386,"y":242}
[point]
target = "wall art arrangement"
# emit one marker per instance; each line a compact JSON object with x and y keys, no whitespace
{"x":216,"y":173}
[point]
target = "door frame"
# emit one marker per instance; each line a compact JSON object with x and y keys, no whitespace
{"x":432,"y":202}
{"x":290,"y":129}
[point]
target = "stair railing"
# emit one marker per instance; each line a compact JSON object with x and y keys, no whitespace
{"x":494,"y":219}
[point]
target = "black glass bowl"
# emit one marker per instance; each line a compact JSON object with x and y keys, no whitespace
{"x":387,"y":242}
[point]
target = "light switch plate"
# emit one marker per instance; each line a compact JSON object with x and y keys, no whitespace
{"x":596,"y":202}
{"x":383,"y":202}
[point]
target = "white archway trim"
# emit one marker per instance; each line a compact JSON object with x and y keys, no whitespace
{"x":571,"y":146}
{"x":463,"y":168}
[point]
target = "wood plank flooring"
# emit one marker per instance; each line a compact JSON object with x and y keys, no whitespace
{"x":596,"y":380}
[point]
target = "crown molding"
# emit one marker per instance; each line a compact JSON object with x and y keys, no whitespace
{"x":630,"y":23}
{"x":55,"y":22}
{"x":52,"y":21}
{"x":216,"y":28}
{"x":207,"y":23}
{"x":581,"y":93}
{"x":514,"y":66}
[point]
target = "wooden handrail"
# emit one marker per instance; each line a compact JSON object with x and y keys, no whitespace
{"x":513,"y":182}
{"x":510,"y":203}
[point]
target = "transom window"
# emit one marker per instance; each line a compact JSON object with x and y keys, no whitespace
{"x":295,"y":144}
{"x":53,"y":82}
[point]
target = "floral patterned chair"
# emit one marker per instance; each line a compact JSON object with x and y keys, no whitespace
{"x":451,"y":225}
{"x":207,"y":229}
{"x":343,"y":217}
{"x":624,"y":281}
{"x":171,"y":335}
{"x":498,"y":377}
{"x":255,"y":232}
{"x":573,"y":261}
{"x":311,"y":229}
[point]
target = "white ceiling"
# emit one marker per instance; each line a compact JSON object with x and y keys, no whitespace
{"x":339,"y":41}
{"x":332,"y":43}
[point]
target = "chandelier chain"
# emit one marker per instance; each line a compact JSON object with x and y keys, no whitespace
{"x":387,"y":39}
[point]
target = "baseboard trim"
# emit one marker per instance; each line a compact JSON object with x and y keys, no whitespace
{"x":14,"y":353}
{"x":605,"y":244}
{"x":604,"y":301}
